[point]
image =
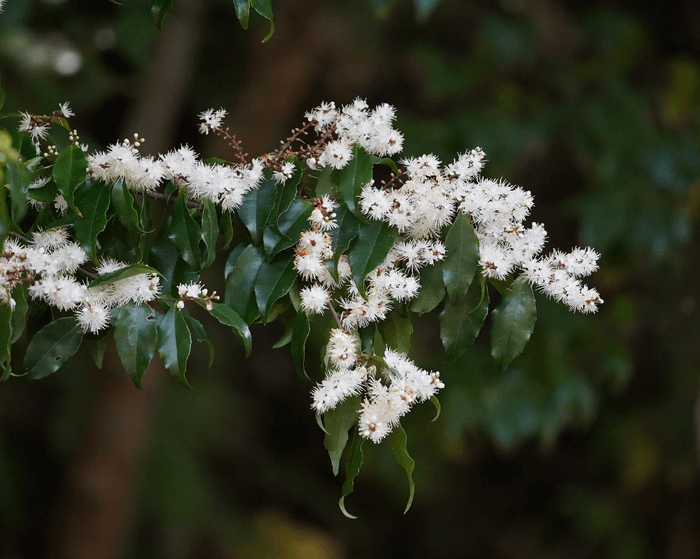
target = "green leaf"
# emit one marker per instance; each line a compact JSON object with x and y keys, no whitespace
{"x":263,"y":7}
{"x":240,"y":284}
{"x":226,"y":226}
{"x":210,"y":231}
{"x":338,"y":422}
{"x":273,"y":282}
{"x":352,"y":468}
{"x":354,"y":177}
{"x":432,"y":290}
{"x":301,"y":331}
{"x":200,"y":333}
{"x":242,"y":12}
{"x":69,"y":171}
{"x":388,"y":161}
{"x":93,"y":200}
{"x":160,"y":9}
{"x":174,"y":343}
{"x":19,"y":313}
{"x":124,"y":209}
{"x":270,"y":33}
{"x":396,"y":331}
{"x":373,"y":243}
{"x":18,"y":178}
{"x":136,"y":336}
{"x":462,"y":259}
{"x":5,"y":340}
{"x":286,"y":194}
{"x":460,"y":323}
{"x":227,"y":316}
{"x":5,"y":222}
{"x":513,"y":322}
{"x":98,"y":347}
{"x":51,"y":347}
{"x":184,"y":233}
{"x":174,"y":270}
{"x":398,"y":447}
{"x":291,"y":223}
{"x":257,"y":206}
{"x":123,"y":273}
{"x":438,"y":408}
{"x":342,"y":236}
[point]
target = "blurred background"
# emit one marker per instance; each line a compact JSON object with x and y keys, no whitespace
{"x":586,"y":447}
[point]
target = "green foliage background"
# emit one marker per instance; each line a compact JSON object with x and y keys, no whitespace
{"x":584,"y":447}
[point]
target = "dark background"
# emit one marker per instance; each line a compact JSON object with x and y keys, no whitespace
{"x":586,"y":447}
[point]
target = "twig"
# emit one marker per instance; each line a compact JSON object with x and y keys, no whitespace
{"x":337,"y":318}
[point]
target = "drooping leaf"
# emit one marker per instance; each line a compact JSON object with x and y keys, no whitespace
{"x":301,"y":331}
{"x":396,"y":331}
{"x":184,"y":233}
{"x":174,"y":343}
{"x":226,"y":227}
{"x":432,"y":290}
{"x":240,"y":283}
{"x":19,"y":313}
{"x":272,"y":282}
{"x":98,"y":348}
{"x":291,"y":223}
{"x":123,"y":203}
{"x":398,"y":447}
{"x":462,"y":258}
{"x":512,"y":322}
{"x":51,"y":347}
{"x":242,"y":12}
{"x":342,"y":236}
{"x":210,"y":231}
{"x":227,"y":316}
{"x":200,"y":334}
{"x":136,"y":337}
{"x":337,"y":423}
{"x":373,"y":243}
{"x":352,"y":468}
{"x":69,"y":171}
{"x":160,"y":9}
{"x":460,"y":323}
{"x":123,"y":273}
{"x":92,"y":198}
{"x":257,"y":206}
{"x":354,"y":177}
{"x":264,"y":8}
{"x":18,"y":178}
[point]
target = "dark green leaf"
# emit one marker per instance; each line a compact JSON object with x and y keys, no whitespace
{"x":98,"y":347}
{"x":136,"y":336}
{"x":210,"y":231}
{"x":93,"y":200}
{"x":432,"y":290}
{"x":298,"y":346}
{"x":396,"y":331}
{"x":354,"y":177}
{"x":174,"y":343}
{"x":226,"y":315}
{"x":291,"y":223}
{"x":460,"y":323}
{"x":174,"y":270}
{"x":19,"y":313}
{"x":272,"y":282}
{"x":373,"y":243}
{"x":337,"y":423}
{"x":263,"y":7}
{"x":200,"y":333}
{"x":5,"y":340}
{"x":123,"y":203}
{"x":69,"y":172}
{"x":512,"y":322}
{"x":184,"y":233}
{"x":226,"y":226}
{"x":242,"y":11}
{"x":51,"y":347}
{"x":123,"y":273}
{"x":18,"y":178}
{"x":326,"y":183}
{"x":286,"y":194}
{"x":388,"y":161}
{"x":352,"y":468}
{"x":240,"y":284}
{"x":462,"y":258}
{"x":342,"y":236}
{"x":160,"y":9}
{"x":257,"y":206}
{"x":398,"y":447}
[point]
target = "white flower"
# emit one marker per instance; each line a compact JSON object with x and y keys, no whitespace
{"x":337,"y":154}
{"x":314,"y":299}
{"x":211,"y":120}
{"x":65,"y":110}
{"x":93,"y":317}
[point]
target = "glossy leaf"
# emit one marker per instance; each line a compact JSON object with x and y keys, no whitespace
{"x":257,"y":206}
{"x":227,"y":316}
{"x":123,"y":273}
{"x":272,"y":282}
{"x":462,"y":259}
{"x":184,"y":233}
{"x":98,"y":348}
{"x":174,"y":270}
{"x":240,"y":284}
{"x":51,"y":347}
{"x":226,"y":227}
{"x":174,"y":343}
{"x":396,"y":331}
{"x":354,"y":177}
{"x":301,"y":331}
{"x":337,"y":423}
{"x":512,"y":322}
{"x":18,"y":178}
{"x":398,"y":447}
{"x":342,"y":236}
{"x":264,"y":8}
{"x":200,"y":334}
{"x":210,"y":231}
{"x":69,"y":171}
{"x":373,"y":243}
{"x":242,"y":12}
{"x":432,"y":290}
{"x":460,"y":323}
{"x":352,"y":468}
{"x":136,"y":337}
{"x":93,"y":201}
{"x":123,"y":204}
{"x":286,"y":194}
{"x":291,"y":223}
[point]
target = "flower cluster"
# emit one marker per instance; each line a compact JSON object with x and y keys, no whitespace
{"x":195,"y":291}
{"x":38,"y":126}
{"x":48,"y":264}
